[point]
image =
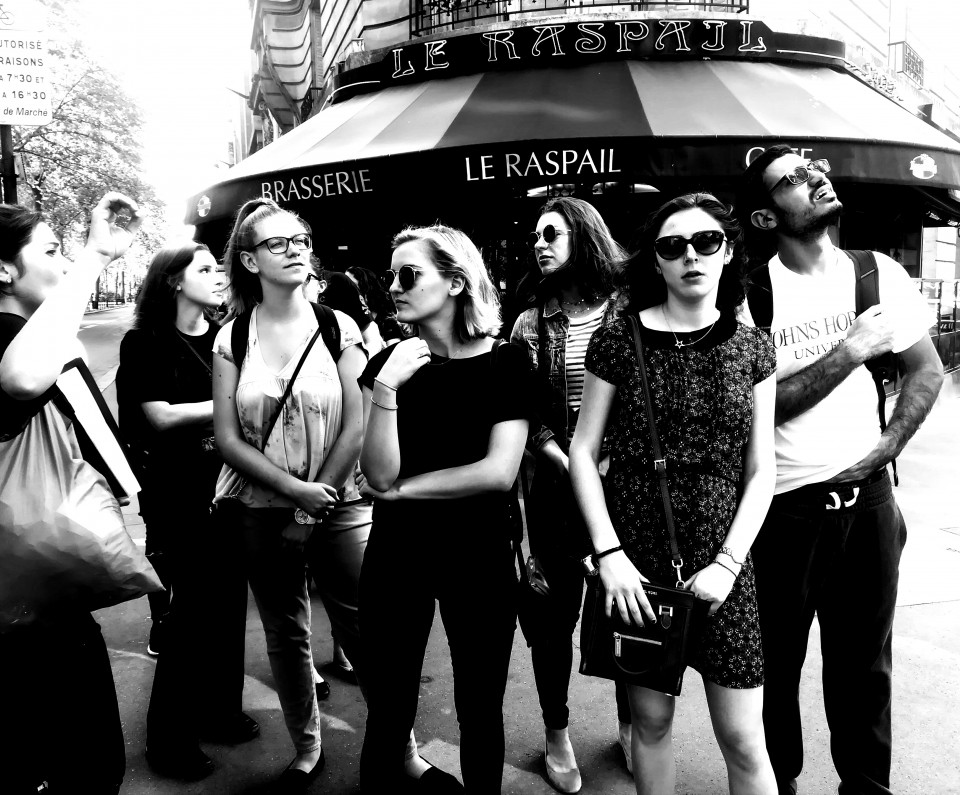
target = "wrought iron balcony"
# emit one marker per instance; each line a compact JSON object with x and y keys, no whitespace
{"x":440,"y":16}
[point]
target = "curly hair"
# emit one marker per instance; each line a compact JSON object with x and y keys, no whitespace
{"x":594,"y":255}
{"x":243,"y":286}
{"x":644,"y":287}
{"x":478,"y":304}
{"x":156,"y":309}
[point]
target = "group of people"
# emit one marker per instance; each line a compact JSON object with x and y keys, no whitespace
{"x":387,"y":471}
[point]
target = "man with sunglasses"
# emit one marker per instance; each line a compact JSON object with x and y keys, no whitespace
{"x":832,"y":540}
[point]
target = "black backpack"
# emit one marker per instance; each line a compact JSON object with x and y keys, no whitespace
{"x":884,"y":368}
{"x":329,"y":331}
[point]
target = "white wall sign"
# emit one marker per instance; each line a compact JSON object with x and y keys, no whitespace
{"x":25,"y":91}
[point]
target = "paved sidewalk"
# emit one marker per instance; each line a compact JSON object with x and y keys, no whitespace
{"x":926,"y":714}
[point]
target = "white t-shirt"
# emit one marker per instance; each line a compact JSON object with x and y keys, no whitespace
{"x":811,"y":316}
{"x":303,"y":435}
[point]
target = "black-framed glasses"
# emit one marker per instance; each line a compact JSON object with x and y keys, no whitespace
{"x":406,"y":273}
{"x":802,"y":173}
{"x":549,"y":233}
{"x":280,"y":244}
{"x":674,"y":246}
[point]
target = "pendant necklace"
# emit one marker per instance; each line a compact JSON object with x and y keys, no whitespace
{"x":446,"y":361}
{"x":676,"y":339}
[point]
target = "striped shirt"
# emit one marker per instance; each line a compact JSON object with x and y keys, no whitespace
{"x":578,"y":338}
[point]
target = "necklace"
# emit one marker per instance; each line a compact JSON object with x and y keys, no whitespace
{"x":446,"y":361}
{"x":676,"y":339}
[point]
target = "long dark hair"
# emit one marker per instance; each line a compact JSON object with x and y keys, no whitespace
{"x":244,"y":286}
{"x":644,"y":287}
{"x":594,"y":254}
{"x":156,"y":309}
{"x":16,"y":228}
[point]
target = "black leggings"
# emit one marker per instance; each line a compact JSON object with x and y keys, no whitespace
{"x":402,"y":581}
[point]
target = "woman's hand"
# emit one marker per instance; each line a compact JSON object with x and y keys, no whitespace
{"x":368,"y":491}
{"x":407,"y":357}
{"x":105,"y":238}
{"x":712,"y":584}
{"x":623,"y":587}
{"x":316,"y":499}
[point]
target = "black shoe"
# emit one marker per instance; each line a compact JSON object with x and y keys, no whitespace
{"x":323,"y":690}
{"x":187,"y":764}
{"x":238,"y":728}
{"x":434,"y":781}
{"x":295,"y":782}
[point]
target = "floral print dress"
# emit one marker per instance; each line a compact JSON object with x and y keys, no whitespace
{"x":703,"y":402}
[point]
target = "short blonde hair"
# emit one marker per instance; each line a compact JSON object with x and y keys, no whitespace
{"x":478,"y":304}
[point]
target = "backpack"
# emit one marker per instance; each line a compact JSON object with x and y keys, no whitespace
{"x":329,"y":331}
{"x":883,"y":368}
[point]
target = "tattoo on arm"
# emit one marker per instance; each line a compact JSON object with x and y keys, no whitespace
{"x":807,"y":387}
{"x":918,"y":393}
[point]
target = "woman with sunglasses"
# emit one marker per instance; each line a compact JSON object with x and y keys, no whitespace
{"x":164,"y":395}
{"x":290,"y":496}
{"x":577,"y":258}
{"x":713,"y":388}
{"x":446,"y":417}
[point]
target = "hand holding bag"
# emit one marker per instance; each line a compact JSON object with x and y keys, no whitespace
{"x":654,"y":655}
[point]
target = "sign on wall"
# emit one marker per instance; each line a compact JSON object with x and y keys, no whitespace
{"x":25,"y":91}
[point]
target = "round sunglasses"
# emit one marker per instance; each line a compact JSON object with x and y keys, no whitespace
{"x":802,"y":173}
{"x":407,"y":275}
{"x":549,"y":233}
{"x":674,"y":246}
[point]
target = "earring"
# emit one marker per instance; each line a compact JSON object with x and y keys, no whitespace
{"x":179,"y":288}
{"x":657,"y":269}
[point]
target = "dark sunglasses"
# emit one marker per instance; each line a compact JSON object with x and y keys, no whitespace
{"x":802,"y":173}
{"x":279,"y":245}
{"x":549,"y":233}
{"x":674,"y":246}
{"x":406,"y":273}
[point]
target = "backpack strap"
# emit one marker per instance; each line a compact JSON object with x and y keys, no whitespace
{"x":326,"y":320}
{"x":759,"y":294}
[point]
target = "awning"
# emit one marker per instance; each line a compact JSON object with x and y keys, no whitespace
{"x":619,"y":120}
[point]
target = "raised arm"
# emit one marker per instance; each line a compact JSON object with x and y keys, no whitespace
{"x":869,"y":336}
{"x":34,"y":359}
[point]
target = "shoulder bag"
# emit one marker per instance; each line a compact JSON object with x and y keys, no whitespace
{"x":654,"y":655}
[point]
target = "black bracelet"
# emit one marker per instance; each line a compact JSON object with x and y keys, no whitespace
{"x":606,"y":552}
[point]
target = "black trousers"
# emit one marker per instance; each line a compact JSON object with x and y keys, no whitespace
{"x":199,"y":673}
{"x":406,"y":573}
{"x":842,"y":566}
{"x":63,"y":730}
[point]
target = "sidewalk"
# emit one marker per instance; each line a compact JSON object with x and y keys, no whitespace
{"x":926,"y":717}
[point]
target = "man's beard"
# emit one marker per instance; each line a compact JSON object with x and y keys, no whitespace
{"x":812,"y":227}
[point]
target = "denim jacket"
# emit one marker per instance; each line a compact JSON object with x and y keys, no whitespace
{"x":554,"y":421}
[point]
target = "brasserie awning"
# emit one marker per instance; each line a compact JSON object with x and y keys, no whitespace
{"x":630,"y":120}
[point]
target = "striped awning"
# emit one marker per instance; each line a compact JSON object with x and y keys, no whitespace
{"x":626,"y":120}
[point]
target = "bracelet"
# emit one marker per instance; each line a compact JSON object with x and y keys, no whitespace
{"x":384,"y":383}
{"x":734,"y":573}
{"x":729,"y":553}
{"x":388,"y":408}
{"x":606,"y":552}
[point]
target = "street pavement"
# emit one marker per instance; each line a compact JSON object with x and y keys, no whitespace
{"x":926,"y":718}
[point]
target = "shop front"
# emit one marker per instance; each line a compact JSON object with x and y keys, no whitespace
{"x":478,"y":128}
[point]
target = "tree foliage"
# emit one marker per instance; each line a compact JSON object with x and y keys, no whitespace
{"x":92,"y":143}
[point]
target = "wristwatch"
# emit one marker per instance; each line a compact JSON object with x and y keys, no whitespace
{"x":590,"y":561}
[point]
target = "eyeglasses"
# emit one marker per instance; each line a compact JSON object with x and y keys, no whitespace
{"x":802,"y":173}
{"x":408,"y":277}
{"x":279,"y":244}
{"x":549,"y":233}
{"x":674,"y":246}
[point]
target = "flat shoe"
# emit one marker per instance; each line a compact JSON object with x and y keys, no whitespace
{"x":434,"y":781}
{"x":295,"y":782}
{"x":562,"y":779}
{"x":323,"y":690}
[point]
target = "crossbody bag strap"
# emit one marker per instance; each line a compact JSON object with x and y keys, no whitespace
{"x":192,"y":350}
{"x":659,"y":460}
{"x":288,"y":390}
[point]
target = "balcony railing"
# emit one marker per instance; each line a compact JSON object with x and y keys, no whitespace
{"x":441,"y":16}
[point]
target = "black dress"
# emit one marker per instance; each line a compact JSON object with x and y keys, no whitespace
{"x":703,"y":400}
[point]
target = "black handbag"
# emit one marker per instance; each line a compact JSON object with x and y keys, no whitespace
{"x":651,"y":655}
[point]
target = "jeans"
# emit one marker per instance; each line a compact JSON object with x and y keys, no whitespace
{"x":841,"y":565}
{"x":199,"y":675}
{"x":65,"y":731}
{"x":403,"y":579}
{"x":552,"y":650}
{"x":278,"y":578}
